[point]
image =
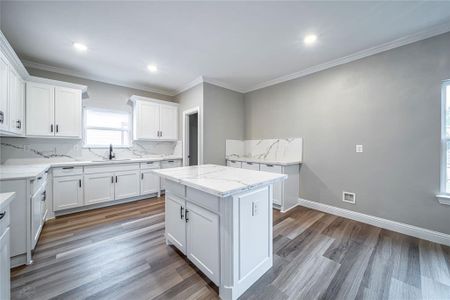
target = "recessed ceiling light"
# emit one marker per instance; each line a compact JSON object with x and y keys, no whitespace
{"x":152,"y":68}
{"x":310,"y":39}
{"x":79,"y":46}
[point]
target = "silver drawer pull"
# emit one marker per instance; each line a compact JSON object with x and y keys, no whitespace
{"x":67,"y":168}
{"x":171,"y":161}
{"x":150,"y":162}
{"x":270,"y":166}
{"x":39,"y":178}
{"x":2,"y":215}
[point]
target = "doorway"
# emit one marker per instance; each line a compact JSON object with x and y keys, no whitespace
{"x":191,"y":137}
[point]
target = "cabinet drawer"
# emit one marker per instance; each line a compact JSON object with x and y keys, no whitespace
{"x":65,"y":171}
{"x":150,"y":165}
{"x":110,"y":168}
{"x":5,"y":219}
{"x":175,"y":188}
{"x":271,"y":168}
{"x":250,"y":166}
{"x":170,"y":163}
{"x":38,"y":182}
{"x":203,"y":199}
{"x":234,"y":164}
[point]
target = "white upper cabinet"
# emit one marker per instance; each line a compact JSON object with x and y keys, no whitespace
{"x":53,"y":111}
{"x":168,"y":122}
{"x":40,"y":109}
{"x":17,"y":102}
{"x":67,"y":112}
{"x":154,"y":119}
{"x":11,"y":99}
{"x":146,"y":120}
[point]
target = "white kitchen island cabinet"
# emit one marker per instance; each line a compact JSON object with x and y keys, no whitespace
{"x":221,"y":219}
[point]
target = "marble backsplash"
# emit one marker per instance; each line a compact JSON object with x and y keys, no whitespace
{"x":289,"y":149}
{"x":35,"y":151}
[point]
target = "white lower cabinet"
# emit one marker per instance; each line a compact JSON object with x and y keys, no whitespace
{"x":278,"y":186}
{"x":195,"y":232}
{"x":4,"y":265}
{"x":37,"y":214}
{"x":149,"y":182}
{"x":98,"y":188}
{"x":67,"y":192}
{"x":175,"y":222}
{"x":201,"y":226}
{"x":126,"y":184}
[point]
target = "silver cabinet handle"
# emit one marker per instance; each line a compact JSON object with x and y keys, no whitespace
{"x":2,"y":215}
{"x":51,"y":128}
{"x":44,"y":194}
{"x":57,"y":128}
{"x":142,"y":176}
{"x":186,"y":215}
{"x":79,"y":182}
{"x":2,"y":117}
{"x":181,"y":212}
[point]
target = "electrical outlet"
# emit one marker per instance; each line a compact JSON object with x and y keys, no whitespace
{"x":349,"y":197}
{"x":359,"y":148}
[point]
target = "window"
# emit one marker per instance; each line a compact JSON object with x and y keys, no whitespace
{"x":445,"y":139}
{"x":105,"y":127}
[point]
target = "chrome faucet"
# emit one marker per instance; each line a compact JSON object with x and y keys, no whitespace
{"x":111,"y":153}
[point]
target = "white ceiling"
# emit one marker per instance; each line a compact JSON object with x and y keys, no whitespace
{"x":242,"y":45}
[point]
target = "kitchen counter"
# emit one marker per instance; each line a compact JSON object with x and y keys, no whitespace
{"x":219,"y":180}
{"x":264,"y":161}
{"x":10,"y":172}
{"x":5,"y":199}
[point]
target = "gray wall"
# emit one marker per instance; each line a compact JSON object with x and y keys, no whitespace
{"x":223,"y":119}
{"x":390,"y":103}
{"x":102,"y":95}
{"x":189,"y":99}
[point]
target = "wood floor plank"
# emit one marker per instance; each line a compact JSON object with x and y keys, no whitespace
{"x":119,"y":252}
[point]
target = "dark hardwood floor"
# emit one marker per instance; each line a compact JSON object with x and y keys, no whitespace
{"x":119,"y":253}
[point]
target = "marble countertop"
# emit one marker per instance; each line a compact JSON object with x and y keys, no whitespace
{"x":264,"y":161}
{"x":5,"y":199}
{"x":10,"y":172}
{"x":219,"y":180}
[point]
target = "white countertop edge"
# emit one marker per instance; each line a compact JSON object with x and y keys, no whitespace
{"x":5,"y":199}
{"x":266,"y":162}
{"x":221,"y":194}
{"x":41,"y":168}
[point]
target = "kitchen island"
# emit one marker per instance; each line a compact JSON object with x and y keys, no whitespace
{"x":221,"y":219}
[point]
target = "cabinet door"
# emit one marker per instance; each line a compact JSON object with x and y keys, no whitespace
{"x":4,"y":111}
{"x":5,"y":265}
{"x":149,"y":182}
{"x":175,"y":222}
{"x":146,"y":121}
{"x":67,"y":192}
{"x":67,"y":112}
{"x":203,"y":240}
{"x":250,"y":166}
{"x":16,"y":88}
{"x":36,"y":215}
{"x":40,"y":109}
{"x":278,"y":186}
{"x":98,"y":188}
{"x":168,"y":122}
{"x":127,"y":184}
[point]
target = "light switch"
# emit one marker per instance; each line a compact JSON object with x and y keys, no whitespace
{"x":359,"y":148}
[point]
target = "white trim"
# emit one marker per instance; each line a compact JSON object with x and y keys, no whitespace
{"x":135,"y":98}
{"x":418,"y":36}
{"x":65,"y":71}
{"x":443,"y":199}
{"x":189,"y":85}
{"x":444,"y":139}
{"x":42,"y":80}
{"x":224,"y":85}
{"x":186,"y":113}
{"x":12,"y":57}
{"x":421,"y":233}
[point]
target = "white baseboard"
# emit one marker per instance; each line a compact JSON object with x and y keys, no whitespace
{"x":418,"y":232}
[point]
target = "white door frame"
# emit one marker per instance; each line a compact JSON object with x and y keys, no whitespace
{"x":186,"y":114}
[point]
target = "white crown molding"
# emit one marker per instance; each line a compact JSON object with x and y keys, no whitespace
{"x":12,"y":57}
{"x":65,"y":71}
{"x":418,"y":36}
{"x":411,"y":230}
{"x":190,"y":85}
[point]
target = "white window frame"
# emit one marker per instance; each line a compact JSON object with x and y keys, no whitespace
{"x":444,"y":196}
{"x":85,"y":127}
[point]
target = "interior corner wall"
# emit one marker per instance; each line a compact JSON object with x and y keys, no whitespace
{"x":223,"y":119}
{"x":189,"y":99}
{"x":390,"y":103}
